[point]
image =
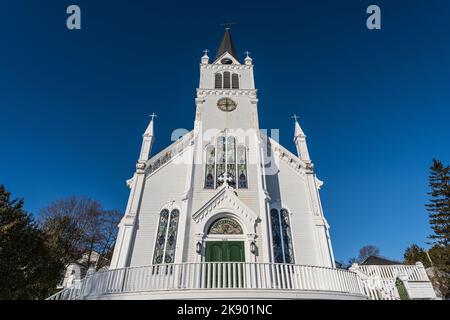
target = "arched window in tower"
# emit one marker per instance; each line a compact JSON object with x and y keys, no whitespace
{"x":218,"y":81}
{"x":210,"y":166}
{"x":281,"y":236}
{"x":231,"y":160}
{"x":241,"y":167}
{"x":220,"y":165}
{"x":235,"y":81}
{"x":226,"y":80}
{"x":166,"y":237}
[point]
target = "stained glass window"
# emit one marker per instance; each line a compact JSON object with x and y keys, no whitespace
{"x":276,"y":238}
{"x":225,"y":226}
{"x":166,"y":237}
{"x":172,"y":236}
{"x":242,"y":167}
{"x":226,"y":162}
{"x":220,"y":166}
{"x":281,"y":236}
{"x":161,"y":237}
{"x":231,"y":160}
{"x":287,"y":237}
{"x":210,"y":164}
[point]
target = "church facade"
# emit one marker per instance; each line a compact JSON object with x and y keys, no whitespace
{"x":224,"y":192}
{"x":226,"y":212}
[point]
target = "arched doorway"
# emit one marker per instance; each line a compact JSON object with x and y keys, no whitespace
{"x":225,"y":241}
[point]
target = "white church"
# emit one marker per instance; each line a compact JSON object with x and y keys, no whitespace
{"x":226,"y":212}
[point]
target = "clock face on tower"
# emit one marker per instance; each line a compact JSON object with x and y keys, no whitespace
{"x":226,"y":104}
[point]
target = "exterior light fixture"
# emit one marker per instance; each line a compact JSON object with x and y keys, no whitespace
{"x":253,"y":247}
{"x":199,"y":247}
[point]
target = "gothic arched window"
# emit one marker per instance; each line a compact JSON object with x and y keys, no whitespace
{"x":241,"y":167}
{"x":218,"y":81}
{"x":226,"y":80}
{"x":166,"y":237}
{"x":210,"y":164}
{"x":226,"y":162}
{"x":281,"y":236}
{"x":235,"y":81}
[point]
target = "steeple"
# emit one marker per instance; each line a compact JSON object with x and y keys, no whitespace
{"x":227,"y":45}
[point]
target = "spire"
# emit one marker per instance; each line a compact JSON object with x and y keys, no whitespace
{"x":300,"y":141}
{"x":227,"y":45}
{"x":298,"y":130}
{"x":147,"y":141}
{"x":149,"y":131}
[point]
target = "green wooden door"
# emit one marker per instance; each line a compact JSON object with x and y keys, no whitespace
{"x":224,"y":251}
{"x":224,"y":275}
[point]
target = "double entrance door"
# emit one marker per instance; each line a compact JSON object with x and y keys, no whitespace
{"x":224,"y":268}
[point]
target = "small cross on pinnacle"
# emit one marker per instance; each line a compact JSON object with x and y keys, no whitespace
{"x":227,"y":25}
{"x":153,"y":115}
{"x":206,"y":52}
{"x":247,"y":53}
{"x":295,"y":117}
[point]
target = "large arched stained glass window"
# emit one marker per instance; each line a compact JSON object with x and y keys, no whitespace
{"x":281,"y":236}
{"x":166,"y":237}
{"x":227,"y":162}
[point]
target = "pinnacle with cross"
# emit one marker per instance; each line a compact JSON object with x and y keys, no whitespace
{"x":206,"y":52}
{"x":247,"y":53}
{"x":295,"y":117}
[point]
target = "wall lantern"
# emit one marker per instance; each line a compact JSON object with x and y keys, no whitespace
{"x":199,"y":247}
{"x":253,"y":247}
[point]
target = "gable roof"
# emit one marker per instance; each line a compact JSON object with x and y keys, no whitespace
{"x":376,"y":260}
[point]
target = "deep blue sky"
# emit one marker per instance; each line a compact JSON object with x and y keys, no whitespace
{"x":375,"y":105}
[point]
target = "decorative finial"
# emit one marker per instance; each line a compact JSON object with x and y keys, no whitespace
{"x":206,"y":52}
{"x":295,"y":117}
{"x":153,"y":115}
{"x":247,"y":53}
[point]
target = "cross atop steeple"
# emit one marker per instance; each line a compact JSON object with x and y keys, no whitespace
{"x":247,"y":53}
{"x":206,"y":52}
{"x":227,"y":25}
{"x":152,"y":116}
{"x":295,"y":117}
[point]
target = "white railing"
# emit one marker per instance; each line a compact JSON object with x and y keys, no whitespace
{"x":66,"y":294}
{"x":379,"y":281}
{"x":215,"y":275}
{"x":413,"y":272}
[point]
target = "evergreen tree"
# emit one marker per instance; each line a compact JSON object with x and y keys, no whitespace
{"x":439,"y":206}
{"x":414,"y":254}
{"x":27,"y":270}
